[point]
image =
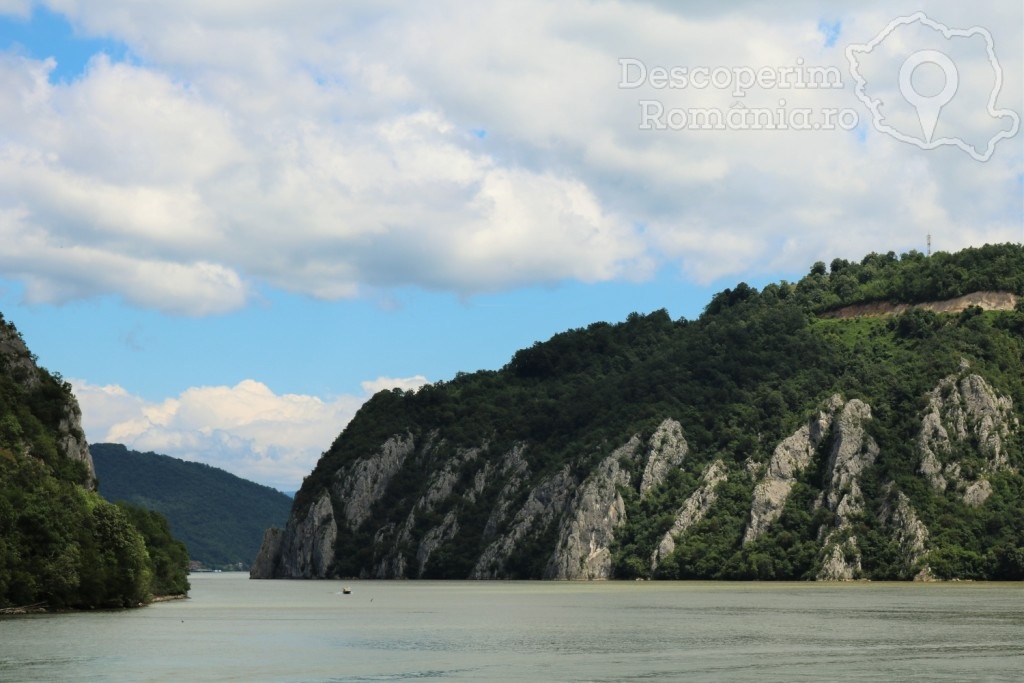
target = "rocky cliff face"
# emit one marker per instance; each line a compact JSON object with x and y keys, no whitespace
{"x":964,"y":409}
{"x":693,"y":510}
{"x":597,"y":510}
{"x":668,"y":449}
{"x":20,"y":365}
{"x":790,"y":458}
{"x":583,"y":514}
{"x":910,"y":533}
{"x":853,"y":451}
{"x":307,"y":545}
{"x":500,"y":513}
{"x":544,"y":503}
{"x":365,"y":483}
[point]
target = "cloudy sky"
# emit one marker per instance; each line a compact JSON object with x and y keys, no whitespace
{"x":229,"y":223}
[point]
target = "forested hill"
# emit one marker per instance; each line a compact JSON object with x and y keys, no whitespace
{"x":758,"y":441}
{"x":220,"y":517}
{"x":61,"y":544}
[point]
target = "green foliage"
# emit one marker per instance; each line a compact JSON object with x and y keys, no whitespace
{"x":168,"y":556}
{"x":739,"y":379}
{"x":913,"y":278}
{"x":61,"y":544}
{"x":64,"y":546}
{"x":220,"y":517}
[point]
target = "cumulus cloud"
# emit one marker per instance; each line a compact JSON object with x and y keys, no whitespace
{"x":246,"y":429}
{"x":384,"y":383}
{"x":466,"y":147}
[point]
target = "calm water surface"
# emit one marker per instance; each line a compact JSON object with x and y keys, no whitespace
{"x":233,"y":629}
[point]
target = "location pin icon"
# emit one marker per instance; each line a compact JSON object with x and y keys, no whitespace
{"x":928,"y":108}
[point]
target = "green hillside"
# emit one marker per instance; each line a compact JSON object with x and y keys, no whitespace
{"x":220,"y":517}
{"x":758,"y":441}
{"x":61,"y":544}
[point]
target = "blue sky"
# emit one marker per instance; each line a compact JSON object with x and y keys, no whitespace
{"x":228,"y":224}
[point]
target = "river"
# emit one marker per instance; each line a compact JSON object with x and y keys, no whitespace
{"x":234,"y":629}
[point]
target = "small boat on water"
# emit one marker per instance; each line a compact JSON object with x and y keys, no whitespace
{"x":346,"y":591}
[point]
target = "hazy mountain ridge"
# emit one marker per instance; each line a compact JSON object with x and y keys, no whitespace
{"x":219,"y":517}
{"x":800,"y":447}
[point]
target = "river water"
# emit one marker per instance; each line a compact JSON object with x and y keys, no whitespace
{"x":234,"y":629}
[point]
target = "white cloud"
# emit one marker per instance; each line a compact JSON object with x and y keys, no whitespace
{"x":247,"y":429}
{"x":457,"y":146}
{"x":383,"y":383}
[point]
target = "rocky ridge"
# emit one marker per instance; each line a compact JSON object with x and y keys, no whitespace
{"x":964,"y":408}
{"x":573,"y":516}
{"x":693,"y":510}
{"x":22,"y":368}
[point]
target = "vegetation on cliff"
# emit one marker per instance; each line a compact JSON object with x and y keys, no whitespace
{"x":219,"y":517}
{"x":739,"y":380}
{"x":61,"y":544}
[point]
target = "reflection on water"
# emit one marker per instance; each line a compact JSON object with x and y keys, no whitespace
{"x":233,"y":629}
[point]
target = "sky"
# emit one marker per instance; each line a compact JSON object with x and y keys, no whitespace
{"x":228,"y":224}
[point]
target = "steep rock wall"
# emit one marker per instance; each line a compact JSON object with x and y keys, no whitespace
{"x":693,"y":510}
{"x":20,"y":364}
{"x":790,"y":457}
{"x":852,"y":452}
{"x":962,"y":408}
{"x":307,"y":549}
{"x":668,"y":448}
{"x":364,"y":484}
{"x":584,"y":546}
{"x":510,"y":514}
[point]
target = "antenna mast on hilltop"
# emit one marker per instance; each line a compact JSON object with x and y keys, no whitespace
{"x":929,"y":245}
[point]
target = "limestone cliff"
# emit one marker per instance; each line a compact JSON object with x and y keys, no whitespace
{"x":20,"y":365}
{"x":693,"y":510}
{"x":584,"y":542}
{"x":667,"y":450}
{"x":790,"y":457}
{"x":363,"y":485}
{"x":573,"y":517}
{"x":990,"y":301}
{"x":307,"y":548}
{"x":759,"y":441}
{"x":544,"y":504}
{"x":964,"y":408}
{"x":852,"y":452}
{"x":909,"y":532}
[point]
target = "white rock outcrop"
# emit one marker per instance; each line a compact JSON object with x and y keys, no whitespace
{"x":790,"y":458}
{"x":964,"y":407}
{"x":544,"y":505}
{"x":693,"y":510}
{"x":434,"y":539}
{"x":587,"y":532}
{"x":667,"y":451}
{"x":853,"y":451}
{"x":307,"y":549}
{"x":909,"y":532}
{"x":21,"y":365}
{"x":360,"y":486}
{"x":392,"y":541}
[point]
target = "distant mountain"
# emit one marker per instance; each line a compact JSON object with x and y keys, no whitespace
{"x":220,"y":517}
{"x":864,"y":422}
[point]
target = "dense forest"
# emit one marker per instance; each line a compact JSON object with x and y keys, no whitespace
{"x":219,"y":517}
{"x":428,"y":484}
{"x":61,"y":544}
